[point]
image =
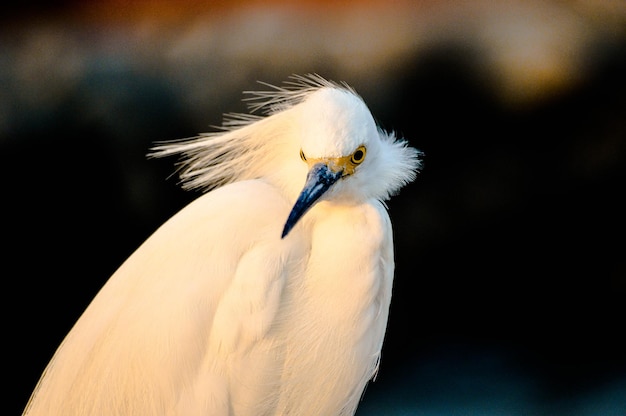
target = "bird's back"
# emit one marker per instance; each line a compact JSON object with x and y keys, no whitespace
{"x":235,"y":322}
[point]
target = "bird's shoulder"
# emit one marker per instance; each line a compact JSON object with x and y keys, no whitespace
{"x":241,"y":210}
{"x":206,"y":241}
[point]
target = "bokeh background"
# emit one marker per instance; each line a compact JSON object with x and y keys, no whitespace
{"x":510,"y":292}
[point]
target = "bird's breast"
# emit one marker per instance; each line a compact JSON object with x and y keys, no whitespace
{"x":339,"y":310}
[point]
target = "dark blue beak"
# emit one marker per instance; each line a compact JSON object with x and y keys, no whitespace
{"x":318,"y":181}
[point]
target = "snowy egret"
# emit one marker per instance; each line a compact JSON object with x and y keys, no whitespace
{"x":268,"y":295}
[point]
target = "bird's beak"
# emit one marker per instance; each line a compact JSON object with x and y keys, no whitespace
{"x":319,"y":179}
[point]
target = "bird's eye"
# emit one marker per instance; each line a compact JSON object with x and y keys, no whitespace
{"x":302,"y":156}
{"x":358,"y":156}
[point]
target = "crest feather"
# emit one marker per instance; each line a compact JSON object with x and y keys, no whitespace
{"x":293,"y":92}
{"x":243,"y":142}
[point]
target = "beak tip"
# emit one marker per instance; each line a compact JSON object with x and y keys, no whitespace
{"x":319,"y":180}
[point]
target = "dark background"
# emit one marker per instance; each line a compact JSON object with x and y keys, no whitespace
{"x":510,"y":290}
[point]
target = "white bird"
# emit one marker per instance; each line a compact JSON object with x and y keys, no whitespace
{"x":268,"y":295}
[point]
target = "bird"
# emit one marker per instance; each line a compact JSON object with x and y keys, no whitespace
{"x":269,"y":293}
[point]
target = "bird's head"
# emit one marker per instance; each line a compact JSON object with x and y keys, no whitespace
{"x":347,"y":157}
{"x":319,"y":141}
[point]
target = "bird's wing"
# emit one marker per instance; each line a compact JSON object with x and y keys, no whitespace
{"x":209,"y":279}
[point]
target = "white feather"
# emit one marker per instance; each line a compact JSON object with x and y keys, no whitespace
{"x":215,"y":314}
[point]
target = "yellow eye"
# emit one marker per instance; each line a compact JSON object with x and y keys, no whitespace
{"x":302,"y":156}
{"x":358,"y":156}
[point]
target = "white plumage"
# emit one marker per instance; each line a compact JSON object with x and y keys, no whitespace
{"x":216,"y":314}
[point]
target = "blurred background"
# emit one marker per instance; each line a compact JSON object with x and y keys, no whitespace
{"x":510,"y":291}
